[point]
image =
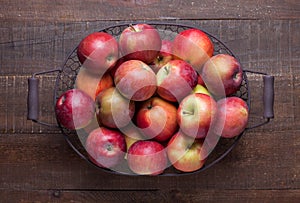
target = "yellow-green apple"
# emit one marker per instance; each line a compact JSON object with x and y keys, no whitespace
{"x":233,"y":114}
{"x":222,"y":75}
{"x":164,"y":56}
{"x":135,"y":80}
{"x":74,"y":109}
{"x":201,"y":89}
{"x":147,"y":157}
{"x":140,"y":42}
{"x":114,"y":110}
{"x":193,"y":46}
{"x":196,"y":115}
{"x":156,"y":119}
{"x":132,"y":134}
{"x":92,"y":84}
{"x":98,"y":51}
{"x":185,"y":152}
{"x":175,"y":80}
{"x":106,"y":147}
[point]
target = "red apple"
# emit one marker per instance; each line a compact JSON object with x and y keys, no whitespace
{"x":193,"y":46}
{"x":233,"y":114}
{"x":196,"y":115}
{"x":147,"y":158}
{"x":140,"y":42}
{"x":175,"y":80}
{"x":200,"y":80}
{"x":106,"y":147}
{"x":115,"y":67}
{"x":164,"y":56}
{"x":114,"y":110}
{"x":92,"y":84}
{"x":157,"y":119}
{"x":74,"y":109}
{"x":222,"y":75}
{"x":98,"y":52}
{"x":185,"y":152}
{"x":135,"y":80}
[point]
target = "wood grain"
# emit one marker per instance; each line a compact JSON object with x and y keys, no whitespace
{"x":92,"y":10}
{"x":191,"y":195}
{"x":37,"y":164}
{"x":46,"y":161}
{"x":260,"y":45}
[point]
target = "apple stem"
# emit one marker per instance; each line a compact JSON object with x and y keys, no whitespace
{"x":132,"y":27}
{"x":167,"y":69}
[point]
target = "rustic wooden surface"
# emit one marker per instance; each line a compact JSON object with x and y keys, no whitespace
{"x":36,"y":163}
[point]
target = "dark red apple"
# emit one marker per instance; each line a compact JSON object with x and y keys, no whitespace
{"x":175,"y":80}
{"x":135,"y":80}
{"x":196,"y":115}
{"x":200,"y":80}
{"x":185,"y":152}
{"x":157,"y":119}
{"x":74,"y":109}
{"x":98,"y":52}
{"x":140,"y":42}
{"x":106,"y":147}
{"x":147,"y":158}
{"x":222,"y":75}
{"x":193,"y":46}
{"x":114,"y":110}
{"x":164,"y":56}
{"x":233,"y":115}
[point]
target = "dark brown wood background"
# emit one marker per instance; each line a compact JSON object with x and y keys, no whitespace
{"x":36,"y":163}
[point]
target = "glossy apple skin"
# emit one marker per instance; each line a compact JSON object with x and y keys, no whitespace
{"x":164,"y":56}
{"x":98,"y":52}
{"x":233,"y":115}
{"x":135,"y":80}
{"x":140,"y":42}
{"x":222,"y":75}
{"x":114,"y":110}
{"x":74,"y":109}
{"x":147,"y":157}
{"x":175,"y":80}
{"x":106,"y":147}
{"x":196,"y":115}
{"x":193,"y":46}
{"x":200,"y":80}
{"x":185,"y":152}
{"x":157,"y":119}
{"x":92,"y":84}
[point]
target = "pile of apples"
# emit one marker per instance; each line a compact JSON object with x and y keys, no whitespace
{"x":152,"y":103}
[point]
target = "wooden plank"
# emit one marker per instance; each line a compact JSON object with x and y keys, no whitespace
{"x":107,"y":10}
{"x":13,"y":104}
{"x":260,"y":45}
{"x":264,"y":160}
{"x":184,"y":195}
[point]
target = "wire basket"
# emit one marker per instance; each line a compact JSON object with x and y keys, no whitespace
{"x":66,"y":78}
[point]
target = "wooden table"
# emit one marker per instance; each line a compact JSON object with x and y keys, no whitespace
{"x":36,"y":163}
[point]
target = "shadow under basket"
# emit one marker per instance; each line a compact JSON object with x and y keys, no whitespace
{"x":66,"y":77}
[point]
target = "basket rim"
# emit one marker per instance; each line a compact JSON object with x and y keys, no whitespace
{"x":155,"y":23}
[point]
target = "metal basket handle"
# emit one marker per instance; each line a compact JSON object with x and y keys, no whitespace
{"x":268,"y":98}
{"x":33,"y":98}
